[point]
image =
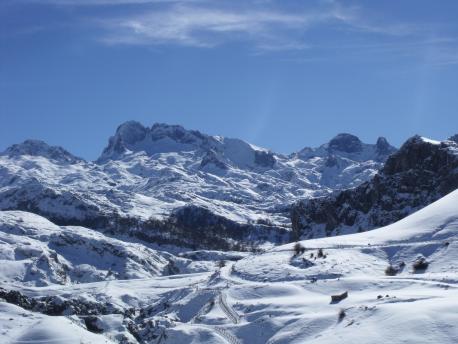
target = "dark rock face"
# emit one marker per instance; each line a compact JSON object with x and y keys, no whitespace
{"x":211,"y":159}
{"x":418,"y":174}
{"x":177,"y":133}
{"x":203,"y":228}
{"x":418,"y":154}
{"x":131,"y":132}
{"x":91,"y":323}
{"x":264,"y":159}
{"x":54,"y":305}
{"x":126,"y":134}
{"x":346,"y":143}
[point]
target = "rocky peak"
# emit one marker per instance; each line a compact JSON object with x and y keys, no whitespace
{"x":164,"y":138}
{"x":420,"y":153}
{"x":177,"y":133}
{"x":347,"y":143}
{"x":133,"y":136}
{"x":383,"y":149}
{"x":131,"y":132}
{"x":41,"y":148}
{"x":349,"y":146}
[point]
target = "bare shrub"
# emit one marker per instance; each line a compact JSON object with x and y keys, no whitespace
{"x":320,"y":253}
{"x":298,"y":249}
{"x":420,"y":264}
{"x":341,"y":315}
{"x":391,"y":270}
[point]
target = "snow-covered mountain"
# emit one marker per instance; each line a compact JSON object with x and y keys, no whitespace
{"x":166,"y":183}
{"x":397,"y":283}
{"x":104,"y":251}
{"x":420,"y":172}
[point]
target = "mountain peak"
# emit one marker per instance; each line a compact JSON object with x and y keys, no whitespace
{"x":134,"y":137}
{"x":345,"y":142}
{"x":41,"y":148}
{"x":131,"y":132}
{"x":382,"y":142}
{"x":349,"y":146}
{"x":383,"y":147}
{"x":421,"y":153}
{"x":177,"y":133}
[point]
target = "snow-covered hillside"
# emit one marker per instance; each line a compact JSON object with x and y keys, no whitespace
{"x":170,"y":174}
{"x":36,"y":252}
{"x":401,"y":285}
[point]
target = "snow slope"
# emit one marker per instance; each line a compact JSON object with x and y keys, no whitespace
{"x":280,"y":296}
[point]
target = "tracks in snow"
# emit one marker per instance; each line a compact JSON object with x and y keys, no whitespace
{"x":227,"y":309}
{"x":226,"y":335}
{"x":222,"y":332}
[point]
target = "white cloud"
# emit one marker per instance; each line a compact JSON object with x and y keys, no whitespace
{"x":207,"y":26}
{"x":265,"y":25}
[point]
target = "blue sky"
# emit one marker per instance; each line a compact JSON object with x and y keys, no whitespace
{"x":281,"y":74}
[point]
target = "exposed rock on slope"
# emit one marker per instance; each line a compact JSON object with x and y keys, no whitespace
{"x":421,"y":172}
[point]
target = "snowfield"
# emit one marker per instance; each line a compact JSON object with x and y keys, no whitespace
{"x":279,"y":296}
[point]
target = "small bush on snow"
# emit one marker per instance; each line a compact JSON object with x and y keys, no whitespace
{"x":391,"y":270}
{"x":341,"y":315}
{"x":320,"y":253}
{"x":298,"y":249}
{"x":420,"y":264}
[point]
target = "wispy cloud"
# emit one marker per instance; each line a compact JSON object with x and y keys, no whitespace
{"x":356,"y":19}
{"x":265,"y":25}
{"x":207,"y":26}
